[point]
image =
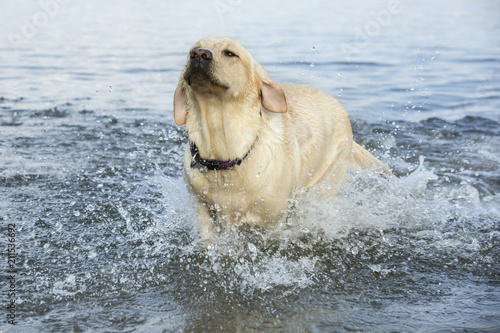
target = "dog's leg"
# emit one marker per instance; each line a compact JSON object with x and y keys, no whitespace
{"x":205,"y":220}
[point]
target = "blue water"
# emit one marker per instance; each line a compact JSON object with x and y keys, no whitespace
{"x":105,"y":234}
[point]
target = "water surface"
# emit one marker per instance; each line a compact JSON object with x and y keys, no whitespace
{"x":91,"y":164}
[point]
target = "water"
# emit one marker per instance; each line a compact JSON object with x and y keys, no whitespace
{"x":106,"y":238}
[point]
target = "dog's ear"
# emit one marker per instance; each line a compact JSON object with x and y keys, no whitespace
{"x":273,"y":98}
{"x":180,"y":105}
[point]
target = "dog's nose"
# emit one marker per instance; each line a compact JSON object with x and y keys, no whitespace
{"x":201,"y":55}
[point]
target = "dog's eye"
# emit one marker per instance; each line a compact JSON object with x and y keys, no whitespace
{"x":228,"y":53}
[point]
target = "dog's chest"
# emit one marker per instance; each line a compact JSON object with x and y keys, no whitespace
{"x":218,"y":185}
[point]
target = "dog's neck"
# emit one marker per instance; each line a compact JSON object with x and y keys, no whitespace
{"x":223,"y":128}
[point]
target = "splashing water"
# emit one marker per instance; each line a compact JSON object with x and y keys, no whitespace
{"x":91,"y":172}
{"x":372,"y":219}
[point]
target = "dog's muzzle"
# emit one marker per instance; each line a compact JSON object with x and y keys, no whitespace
{"x":198,"y":70}
{"x":200,"y":55}
{"x":200,"y":60}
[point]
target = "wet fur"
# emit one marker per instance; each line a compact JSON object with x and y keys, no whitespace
{"x":296,"y":134}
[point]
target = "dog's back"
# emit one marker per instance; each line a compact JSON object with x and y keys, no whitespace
{"x":323,"y":131}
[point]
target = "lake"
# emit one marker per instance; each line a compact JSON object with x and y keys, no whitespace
{"x":98,"y":228}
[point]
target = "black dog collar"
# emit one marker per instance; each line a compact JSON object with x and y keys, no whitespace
{"x":199,"y":162}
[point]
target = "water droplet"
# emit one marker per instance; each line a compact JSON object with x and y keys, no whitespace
{"x":70,"y":279}
{"x":312,"y":64}
{"x":313,"y":48}
{"x":76,"y":213}
{"x":110,"y":88}
{"x":253,"y":251}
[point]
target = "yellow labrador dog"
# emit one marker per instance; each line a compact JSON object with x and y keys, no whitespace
{"x":252,"y":142}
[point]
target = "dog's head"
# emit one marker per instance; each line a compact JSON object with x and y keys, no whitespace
{"x":222,"y":67}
